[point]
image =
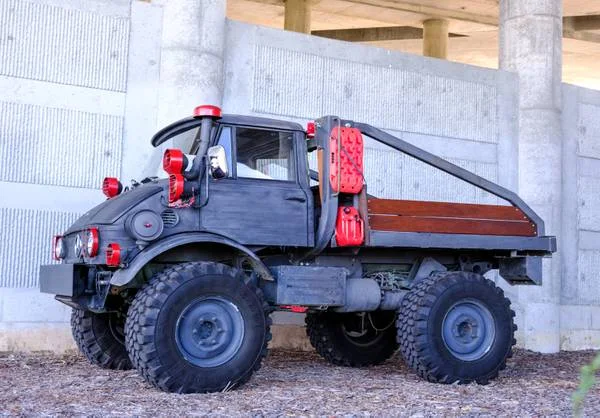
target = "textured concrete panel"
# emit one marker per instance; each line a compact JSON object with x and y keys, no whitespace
{"x":25,"y":243}
{"x":45,"y":144}
{"x":589,"y":272}
{"x":589,"y":203}
{"x":589,"y":131}
{"x":589,"y":240}
{"x":589,"y":167}
{"x":292,"y":83}
{"x":287,"y":83}
{"x":396,"y":99}
{"x":65,"y":46}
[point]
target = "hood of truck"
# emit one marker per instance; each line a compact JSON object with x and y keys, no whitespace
{"x":111,"y":210}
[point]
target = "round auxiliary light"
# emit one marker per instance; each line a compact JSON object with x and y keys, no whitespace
{"x":111,"y":187}
{"x":176,"y":185}
{"x":207,"y":110}
{"x":174,"y":161}
{"x":92,"y":241}
{"x":113,"y":254}
{"x":58,"y":248}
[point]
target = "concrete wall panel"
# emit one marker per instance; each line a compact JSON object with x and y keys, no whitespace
{"x":589,"y":131}
{"x":589,"y":272}
{"x":291,"y":83}
{"x":62,"y":45}
{"x":57,"y":146}
{"x":25,"y":243}
{"x":589,"y":203}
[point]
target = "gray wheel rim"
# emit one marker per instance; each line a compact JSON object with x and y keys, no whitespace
{"x":468,"y":330}
{"x":210,"y":331}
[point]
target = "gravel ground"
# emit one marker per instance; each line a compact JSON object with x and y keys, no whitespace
{"x":294,"y":384}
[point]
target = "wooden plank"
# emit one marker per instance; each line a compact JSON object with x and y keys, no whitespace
{"x":451,"y":225}
{"x":444,"y":210}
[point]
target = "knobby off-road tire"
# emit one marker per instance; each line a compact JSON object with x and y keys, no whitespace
{"x":456,"y":327}
{"x":198,"y":327}
{"x":343,"y":339}
{"x":100,"y":338}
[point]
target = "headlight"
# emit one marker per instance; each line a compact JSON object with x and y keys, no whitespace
{"x":58,"y":248}
{"x":91,"y":242}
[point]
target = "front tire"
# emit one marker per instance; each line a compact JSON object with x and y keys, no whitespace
{"x":353,"y":339}
{"x":100,"y":338}
{"x":456,"y":327}
{"x":198,"y":327}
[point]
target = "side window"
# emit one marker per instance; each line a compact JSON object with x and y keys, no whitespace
{"x":225,"y":142}
{"x":264,"y":154}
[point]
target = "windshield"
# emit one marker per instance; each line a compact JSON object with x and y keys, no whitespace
{"x":187,"y":141}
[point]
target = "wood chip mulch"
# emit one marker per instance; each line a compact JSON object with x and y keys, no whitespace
{"x":294,"y":384}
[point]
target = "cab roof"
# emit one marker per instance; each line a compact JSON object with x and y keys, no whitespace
{"x":185,"y":124}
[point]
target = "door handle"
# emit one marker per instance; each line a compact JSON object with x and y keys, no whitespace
{"x":300,"y":199}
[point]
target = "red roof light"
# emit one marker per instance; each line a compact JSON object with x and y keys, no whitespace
{"x":207,"y":110}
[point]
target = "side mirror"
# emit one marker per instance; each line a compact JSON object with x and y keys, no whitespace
{"x":217,"y":159}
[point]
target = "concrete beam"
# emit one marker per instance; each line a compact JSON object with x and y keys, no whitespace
{"x":435,"y":38}
{"x":582,"y":36}
{"x":435,"y":12}
{"x":297,"y":15}
{"x":387,"y":33}
{"x":579,"y":23}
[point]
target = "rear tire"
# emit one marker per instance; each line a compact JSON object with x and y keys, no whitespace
{"x":353,"y":339}
{"x":100,"y":338}
{"x":456,"y":327}
{"x":198,"y":327}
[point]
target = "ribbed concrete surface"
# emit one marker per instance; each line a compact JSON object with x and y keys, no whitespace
{"x":46,"y":145}
{"x":25,"y":243}
{"x":63,"y":45}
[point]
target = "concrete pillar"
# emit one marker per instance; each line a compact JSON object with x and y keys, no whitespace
{"x":531,"y":45}
{"x":191,"y":64}
{"x":435,"y":38}
{"x":297,"y":15}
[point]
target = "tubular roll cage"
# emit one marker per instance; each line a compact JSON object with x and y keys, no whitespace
{"x":538,"y":244}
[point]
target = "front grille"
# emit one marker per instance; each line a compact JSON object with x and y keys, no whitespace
{"x":170,"y":218}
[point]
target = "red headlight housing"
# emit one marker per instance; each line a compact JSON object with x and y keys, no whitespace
{"x":174,"y":161}
{"x":113,"y":254}
{"x":207,"y":110}
{"x":92,"y":241}
{"x":111,"y":187}
{"x":310,"y":130}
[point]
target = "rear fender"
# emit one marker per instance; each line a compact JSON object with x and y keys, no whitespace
{"x":125,"y":275}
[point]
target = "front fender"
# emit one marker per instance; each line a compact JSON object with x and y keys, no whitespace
{"x":123,"y":276}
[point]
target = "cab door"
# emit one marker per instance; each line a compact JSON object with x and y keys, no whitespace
{"x":265,"y":200}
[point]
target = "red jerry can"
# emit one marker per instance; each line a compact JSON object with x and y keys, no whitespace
{"x":349,"y":228}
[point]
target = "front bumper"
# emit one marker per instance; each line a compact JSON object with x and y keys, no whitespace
{"x":63,"y":279}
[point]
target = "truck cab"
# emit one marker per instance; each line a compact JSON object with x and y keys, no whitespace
{"x":178,"y":276}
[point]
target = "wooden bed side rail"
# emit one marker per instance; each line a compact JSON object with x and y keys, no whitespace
{"x":445,"y":217}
